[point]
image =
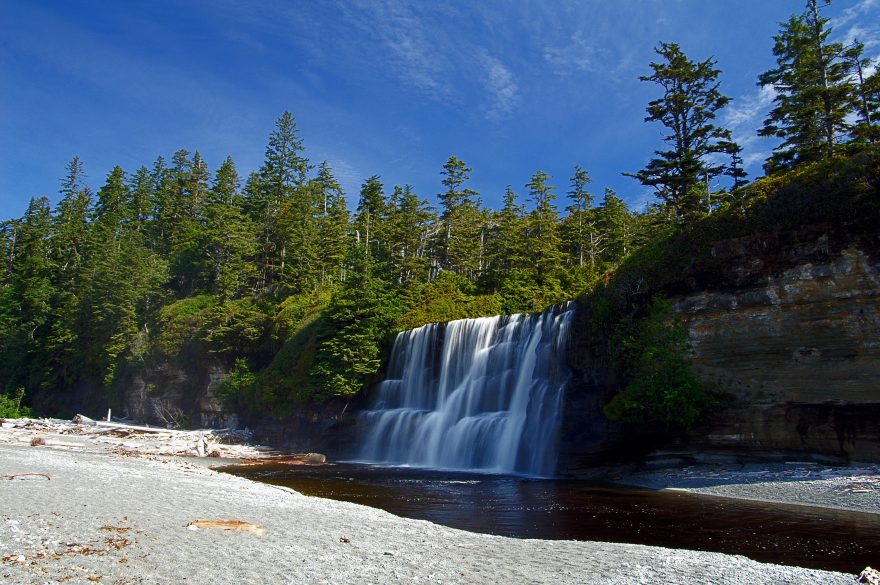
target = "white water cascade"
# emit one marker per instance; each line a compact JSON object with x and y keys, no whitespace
{"x":476,"y":394}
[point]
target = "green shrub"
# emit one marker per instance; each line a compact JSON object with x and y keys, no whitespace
{"x":238,"y":384}
{"x":10,"y":405}
{"x":655,"y":357}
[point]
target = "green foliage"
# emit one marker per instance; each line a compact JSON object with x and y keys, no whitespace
{"x":181,"y":322}
{"x":361,"y":315}
{"x":10,"y":405}
{"x":813,"y":92}
{"x":691,"y":98}
{"x":448,"y":297}
{"x":235,"y":327}
{"x":297,"y":311}
{"x":238,"y":383}
{"x":277,"y":277}
{"x":662,"y":388}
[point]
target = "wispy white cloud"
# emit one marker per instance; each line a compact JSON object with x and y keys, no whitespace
{"x":860,"y":22}
{"x":745,"y":111}
{"x":501,"y":86}
{"x":416,"y":51}
{"x":576,"y":55}
{"x":854,"y":12}
{"x":744,"y":117}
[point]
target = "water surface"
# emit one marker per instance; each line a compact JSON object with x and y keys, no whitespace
{"x":576,"y":510}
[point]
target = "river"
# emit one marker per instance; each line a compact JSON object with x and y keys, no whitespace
{"x":568,"y":509}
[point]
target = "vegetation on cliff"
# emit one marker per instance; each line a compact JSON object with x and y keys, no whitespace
{"x":299,"y":296}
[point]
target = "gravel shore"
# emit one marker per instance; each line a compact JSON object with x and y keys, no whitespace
{"x":843,"y":488}
{"x":92,"y":517}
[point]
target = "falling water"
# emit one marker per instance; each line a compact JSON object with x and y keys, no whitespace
{"x":475,"y":394}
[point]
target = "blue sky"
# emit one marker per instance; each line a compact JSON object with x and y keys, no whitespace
{"x":383,"y":87}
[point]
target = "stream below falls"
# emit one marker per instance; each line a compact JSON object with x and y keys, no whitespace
{"x":576,"y":510}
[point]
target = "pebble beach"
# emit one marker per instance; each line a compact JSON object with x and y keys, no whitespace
{"x":83,"y":511}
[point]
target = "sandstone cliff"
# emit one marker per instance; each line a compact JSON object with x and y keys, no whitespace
{"x":792,"y":342}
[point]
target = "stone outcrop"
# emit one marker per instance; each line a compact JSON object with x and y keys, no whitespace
{"x":785,"y":328}
{"x":792,"y":344}
{"x":167,"y":394}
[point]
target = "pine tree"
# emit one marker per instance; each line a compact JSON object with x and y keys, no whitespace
{"x":461,"y":218}
{"x":543,"y":227}
{"x":866,"y":93}
{"x":27,"y":298}
{"x":70,"y":222}
{"x":285,"y":210}
{"x":141,"y":188}
{"x":616,"y":225}
{"x":228,"y":239}
{"x":369,"y":221}
{"x":333,"y":229}
{"x":812,"y":92}
{"x":577,"y":227}
{"x":691,"y":98}
{"x":506,"y":248}
{"x":409,"y":230}
{"x":188,"y":191}
{"x":112,"y":208}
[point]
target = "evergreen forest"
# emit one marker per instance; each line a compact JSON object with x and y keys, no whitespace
{"x":299,"y":293}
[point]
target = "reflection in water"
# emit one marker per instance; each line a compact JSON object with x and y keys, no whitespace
{"x":564,"y":509}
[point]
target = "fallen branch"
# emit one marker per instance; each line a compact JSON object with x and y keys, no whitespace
{"x":230,"y":525}
{"x":17,"y":475}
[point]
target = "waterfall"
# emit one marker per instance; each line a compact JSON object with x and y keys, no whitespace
{"x":475,"y":394}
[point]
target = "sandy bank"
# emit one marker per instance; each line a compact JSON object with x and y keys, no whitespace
{"x":119,"y":519}
{"x":844,"y":488}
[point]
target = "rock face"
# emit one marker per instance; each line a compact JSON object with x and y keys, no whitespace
{"x":793,"y":343}
{"x":785,"y":330}
{"x":170,"y":395}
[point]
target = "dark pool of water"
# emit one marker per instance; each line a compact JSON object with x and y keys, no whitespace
{"x":576,"y":510}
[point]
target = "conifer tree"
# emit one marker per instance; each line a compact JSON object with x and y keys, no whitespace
{"x":333,"y":229}
{"x":285,"y":210}
{"x":866,"y":93}
{"x":228,"y":241}
{"x":616,"y":225}
{"x":141,"y":188}
{"x":578,"y":229}
{"x":461,"y":218}
{"x":27,"y":300}
{"x":369,"y":222}
{"x":409,"y":230}
{"x":543,"y":227}
{"x":691,"y":98}
{"x":812,"y":92}
{"x":506,"y":248}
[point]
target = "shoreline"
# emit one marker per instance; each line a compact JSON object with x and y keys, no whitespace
{"x":121,"y":516}
{"x":851,"y":489}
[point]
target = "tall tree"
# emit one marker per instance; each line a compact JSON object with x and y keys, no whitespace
{"x":70,"y":221}
{"x":616,"y":225}
{"x":507,"y":246}
{"x":333,"y":232}
{"x":285,"y":210}
{"x":26,"y":305}
{"x":369,"y":222}
{"x":461,"y":218}
{"x":866,"y":93}
{"x":812,"y":92}
{"x":691,"y":98}
{"x":409,"y":231}
{"x":578,"y":227}
{"x":543,"y":230}
{"x":228,"y":240}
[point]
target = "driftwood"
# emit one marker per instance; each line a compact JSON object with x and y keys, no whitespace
{"x":82,"y":419}
{"x":870,"y":576}
{"x":17,"y":475}
{"x":229,"y":525}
